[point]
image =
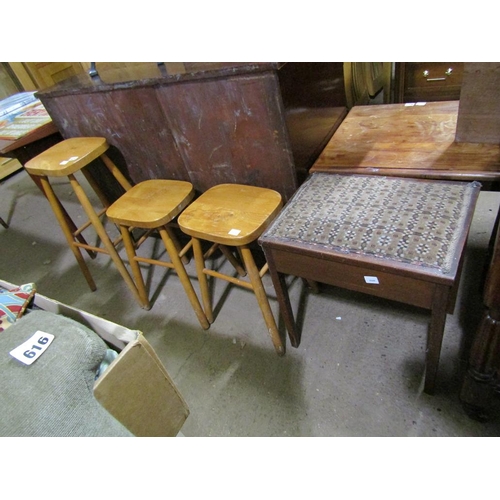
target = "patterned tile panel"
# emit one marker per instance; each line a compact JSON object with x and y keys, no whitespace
{"x":406,"y":220}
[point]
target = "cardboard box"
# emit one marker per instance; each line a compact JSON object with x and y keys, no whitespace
{"x":136,"y":388}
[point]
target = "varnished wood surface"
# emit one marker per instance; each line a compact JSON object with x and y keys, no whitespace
{"x":231,"y":214}
{"x":67,"y":157}
{"x":481,"y":384}
{"x":407,"y":141}
{"x":427,"y":81}
{"x":151,"y":204}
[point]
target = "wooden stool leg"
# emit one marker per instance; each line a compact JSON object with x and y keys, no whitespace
{"x":260,"y":293}
{"x":37,"y":180}
{"x":181,"y":271}
{"x":60,"y":216}
{"x":178,"y":246}
{"x":116,"y":172}
{"x":435,"y":338}
{"x":91,"y":214}
{"x":232,"y":259}
{"x":202,"y":279}
{"x":283,"y":297}
{"x":134,"y":265}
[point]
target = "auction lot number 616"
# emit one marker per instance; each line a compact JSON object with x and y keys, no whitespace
{"x":30,"y":350}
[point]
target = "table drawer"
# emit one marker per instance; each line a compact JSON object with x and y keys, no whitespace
{"x":413,"y":291}
{"x":429,"y":81}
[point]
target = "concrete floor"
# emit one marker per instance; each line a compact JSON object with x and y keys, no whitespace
{"x":358,"y":371}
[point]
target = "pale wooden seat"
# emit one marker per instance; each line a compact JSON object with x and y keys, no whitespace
{"x":233,"y":216}
{"x":153,"y":205}
{"x":65,"y":159}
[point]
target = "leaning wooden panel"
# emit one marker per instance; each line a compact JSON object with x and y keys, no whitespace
{"x":230,"y":130}
{"x":205,"y":150}
{"x":479,"y":112}
{"x":133,"y":123}
{"x":158,"y":411}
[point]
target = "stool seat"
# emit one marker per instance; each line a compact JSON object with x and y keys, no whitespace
{"x":231,"y":214}
{"x":67,"y":157}
{"x":151,"y":204}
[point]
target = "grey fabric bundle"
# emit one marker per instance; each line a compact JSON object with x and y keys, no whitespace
{"x":53,"y":396}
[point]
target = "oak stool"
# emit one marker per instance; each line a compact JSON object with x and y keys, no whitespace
{"x":65,"y":159}
{"x":153,"y":205}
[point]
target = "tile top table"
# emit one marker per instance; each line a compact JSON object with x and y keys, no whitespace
{"x":407,"y":140}
{"x":395,"y":238}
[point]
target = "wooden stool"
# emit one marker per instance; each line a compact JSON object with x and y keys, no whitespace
{"x":233,"y":215}
{"x":151,"y":205}
{"x":399,"y":239}
{"x":64,"y":160}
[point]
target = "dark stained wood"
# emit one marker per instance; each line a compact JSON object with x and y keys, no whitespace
{"x":407,"y":283}
{"x":230,"y":130}
{"x":407,"y":141}
{"x":314,"y":98}
{"x":209,"y":124}
{"x":481,"y":384}
{"x":479,"y":112}
{"x":427,"y":81}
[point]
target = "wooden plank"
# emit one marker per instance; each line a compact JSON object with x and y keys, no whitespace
{"x":479,"y":111}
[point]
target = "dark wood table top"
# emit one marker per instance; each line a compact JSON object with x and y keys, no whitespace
{"x":408,"y":141}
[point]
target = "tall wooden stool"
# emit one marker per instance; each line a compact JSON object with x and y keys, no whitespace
{"x":233,"y":216}
{"x":65,"y":159}
{"x":152,"y":205}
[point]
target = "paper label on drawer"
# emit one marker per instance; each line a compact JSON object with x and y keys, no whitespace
{"x":28,"y":352}
{"x":373,"y":280}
